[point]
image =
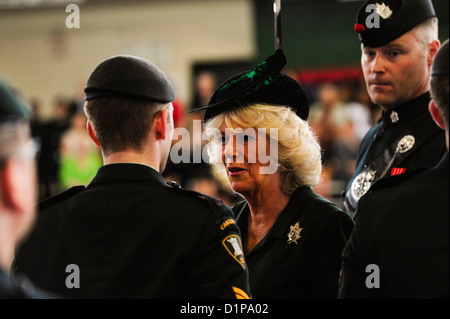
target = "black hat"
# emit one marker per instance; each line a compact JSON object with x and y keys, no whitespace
{"x":11,"y":107}
{"x":129,"y":76}
{"x":440,"y":62}
{"x":263,"y":84}
{"x":382,"y":21}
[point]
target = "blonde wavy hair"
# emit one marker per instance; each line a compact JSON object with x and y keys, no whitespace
{"x":299,"y":153}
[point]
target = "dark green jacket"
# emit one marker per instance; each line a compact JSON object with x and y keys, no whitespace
{"x":403,"y":229}
{"x":131,"y":236}
{"x":306,"y":269}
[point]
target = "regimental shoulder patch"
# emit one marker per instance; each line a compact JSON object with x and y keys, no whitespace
{"x":233,"y":245}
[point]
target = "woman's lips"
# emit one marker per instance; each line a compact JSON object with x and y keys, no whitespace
{"x":235,"y":171}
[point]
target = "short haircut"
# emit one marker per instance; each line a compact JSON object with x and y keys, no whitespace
{"x":299,"y":154}
{"x":439,"y":88}
{"x":121,"y":123}
{"x":426,"y":32}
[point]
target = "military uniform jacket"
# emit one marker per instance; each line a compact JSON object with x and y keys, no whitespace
{"x":308,"y":265}
{"x":20,"y":288}
{"x":409,"y":132}
{"x":403,"y":229}
{"x":128,"y":235}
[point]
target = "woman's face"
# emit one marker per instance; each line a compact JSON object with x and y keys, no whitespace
{"x":244,"y":155}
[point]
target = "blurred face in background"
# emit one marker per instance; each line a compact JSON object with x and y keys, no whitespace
{"x":19,"y":179}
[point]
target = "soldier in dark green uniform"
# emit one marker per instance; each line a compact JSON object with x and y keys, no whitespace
{"x":127,"y":234}
{"x":400,"y":245}
{"x":292,"y":237}
{"x":17,"y":191}
{"x":398,"y":40}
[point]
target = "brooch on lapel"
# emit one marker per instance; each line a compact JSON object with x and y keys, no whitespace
{"x":294,"y":233}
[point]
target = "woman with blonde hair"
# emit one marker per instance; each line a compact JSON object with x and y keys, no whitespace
{"x":292,"y":237}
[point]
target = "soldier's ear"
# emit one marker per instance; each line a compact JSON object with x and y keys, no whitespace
{"x":433,"y":47}
{"x":436,"y":114}
{"x":160,"y":124}
{"x":91,"y":133}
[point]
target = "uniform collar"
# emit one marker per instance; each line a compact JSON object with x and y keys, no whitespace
{"x":406,"y":111}
{"x":127,"y":171}
{"x":286,"y":218}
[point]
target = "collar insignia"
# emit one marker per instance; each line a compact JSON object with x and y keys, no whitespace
{"x":394,"y":117}
{"x":294,"y":233}
{"x":383,"y":11}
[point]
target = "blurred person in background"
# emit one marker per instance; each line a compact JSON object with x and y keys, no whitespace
{"x":18,"y":191}
{"x":49,"y":133}
{"x":80,"y":158}
{"x":331,"y":120}
{"x":204,"y":85}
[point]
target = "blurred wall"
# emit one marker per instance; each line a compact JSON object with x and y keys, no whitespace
{"x":45,"y":59}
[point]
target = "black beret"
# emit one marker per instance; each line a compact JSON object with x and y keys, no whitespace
{"x":440,"y":62}
{"x":264,"y":84}
{"x":129,"y":76}
{"x":11,"y":107}
{"x":395,"y":17}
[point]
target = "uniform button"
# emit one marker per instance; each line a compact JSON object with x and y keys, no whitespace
{"x":173,"y":184}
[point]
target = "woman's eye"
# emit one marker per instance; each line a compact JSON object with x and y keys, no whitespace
{"x":245,"y":138}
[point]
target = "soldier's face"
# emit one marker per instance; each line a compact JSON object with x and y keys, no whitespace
{"x":397,"y":72}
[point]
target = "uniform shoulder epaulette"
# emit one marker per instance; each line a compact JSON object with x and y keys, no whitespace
{"x":213,"y":202}
{"x":60,"y":197}
{"x":226,"y":227}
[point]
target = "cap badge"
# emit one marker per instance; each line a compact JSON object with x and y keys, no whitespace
{"x":294,"y":233}
{"x":383,"y":11}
